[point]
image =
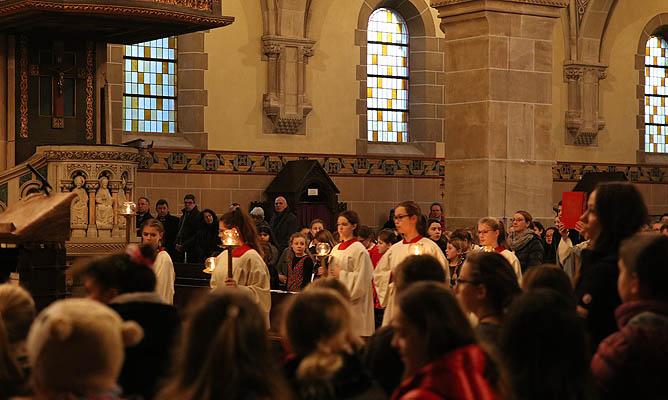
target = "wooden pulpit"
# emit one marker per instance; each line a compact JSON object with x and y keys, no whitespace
{"x":33,"y":232}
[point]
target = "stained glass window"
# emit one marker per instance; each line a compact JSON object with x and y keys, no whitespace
{"x":387,"y":77}
{"x":656,"y":95}
{"x":149,"y":92}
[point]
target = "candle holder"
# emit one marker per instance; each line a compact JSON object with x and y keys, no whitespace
{"x":322,"y":251}
{"x":416,"y":249}
{"x":210,"y":265}
{"x":128,"y":210}
{"x":230,"y":239}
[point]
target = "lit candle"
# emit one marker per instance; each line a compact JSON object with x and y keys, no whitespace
{"x":210,"y":264}
{"x":128,"y":208}
{"x":323,"y":249}
{"x":416,"y":249}
{"x":230,"y":237}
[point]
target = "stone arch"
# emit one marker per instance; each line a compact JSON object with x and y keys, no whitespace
{"x":655,"y":26}
{"x":426,"y":63}
{"x":595,"y":15}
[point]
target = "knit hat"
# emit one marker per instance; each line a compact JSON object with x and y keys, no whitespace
{"x":77,"y":346}
{"x":257,"y":212}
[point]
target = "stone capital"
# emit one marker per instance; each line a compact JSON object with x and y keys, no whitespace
{"x":453,"y":8}
{"x":577,"y":70}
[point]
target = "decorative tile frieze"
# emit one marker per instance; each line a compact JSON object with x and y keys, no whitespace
{"x":647,"y":173}
{"x":272,"y":163}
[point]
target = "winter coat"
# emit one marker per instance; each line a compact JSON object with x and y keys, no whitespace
{"x":631,"y":363}
{"x":531,"y":254}
{"x":458,"y":375}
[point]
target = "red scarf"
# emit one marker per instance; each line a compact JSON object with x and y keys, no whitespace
{"x":240,"y":251}
{"x":414,"y":240}
{"x":346,"y":244}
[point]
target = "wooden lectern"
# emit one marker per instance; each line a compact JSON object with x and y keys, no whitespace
{"x":33,"y":232}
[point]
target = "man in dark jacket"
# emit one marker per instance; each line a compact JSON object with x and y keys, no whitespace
{"x":188,"y":225}
{"x":143,"y":213}
{"x":283,"y":223}
{"x":171,"y":225}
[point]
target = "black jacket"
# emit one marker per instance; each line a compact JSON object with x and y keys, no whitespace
{"x":207,"y":242}
{"x":531,"y":254}
{"x":596,"y":291}
{"x":283,"y":225}
{"x":148,"y":362}
{"x":188,"y":225}
{"x":171,"y":225}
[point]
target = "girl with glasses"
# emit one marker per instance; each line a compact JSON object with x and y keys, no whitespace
{"x":411,"y":225}
{"x":492,"y":237}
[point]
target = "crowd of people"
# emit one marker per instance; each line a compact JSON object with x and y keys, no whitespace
{"x":413,"y":311}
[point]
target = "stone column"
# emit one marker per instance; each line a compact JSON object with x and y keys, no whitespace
{"x":92,"y":227}
{"x":498,"y":107}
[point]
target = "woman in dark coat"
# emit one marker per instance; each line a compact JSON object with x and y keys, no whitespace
{"x":615,"y":211}
{"x":523,"y":241}
{"x":207,"y":236}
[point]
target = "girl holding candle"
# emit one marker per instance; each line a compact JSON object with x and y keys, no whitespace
{"x":249,"y":271}
{"x":410,"y":223}
{"x":491,"y":235}
{"x":350,"y":263}
{"x":300,"y":265}
{"x":152,"y":233}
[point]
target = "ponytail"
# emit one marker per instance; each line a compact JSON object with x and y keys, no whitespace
{"x":246,"y":227}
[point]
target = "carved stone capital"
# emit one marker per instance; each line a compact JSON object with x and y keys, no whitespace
{"x":583,"y":121}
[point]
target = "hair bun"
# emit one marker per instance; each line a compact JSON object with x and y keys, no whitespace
{"x":132,"y":333}
{"x":60,"y":327}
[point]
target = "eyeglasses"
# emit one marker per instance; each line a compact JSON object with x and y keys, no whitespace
{"x":517,"y":220}
{"x":400,"y":217}
{"x":470,"y":282}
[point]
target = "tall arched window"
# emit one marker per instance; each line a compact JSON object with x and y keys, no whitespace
{"x":387,"y":77}
{"x":149,"y":90}
{"x":656,"y":95}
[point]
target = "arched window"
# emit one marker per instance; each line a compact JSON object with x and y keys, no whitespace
{"x":149,"y":90}
{"x":656,"y":95}
{"x":387,"y":77}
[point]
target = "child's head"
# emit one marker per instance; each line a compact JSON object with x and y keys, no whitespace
{"x":386,"y":239}
{"x":365,"y":235}
{"x":76,"y":346}
{"x":456,"y":249}
{"x":298,"y":244}
{"x":642,"y":268}
{"x":152,"y":232}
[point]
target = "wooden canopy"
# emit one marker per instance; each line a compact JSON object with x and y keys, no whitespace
{"x":111,"y":21}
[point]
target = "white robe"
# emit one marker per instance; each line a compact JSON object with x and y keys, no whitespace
{"x":164,"y":276}
{"x":251,"y":274}
{"x":357,"y":274}
{"x":389,"y":262}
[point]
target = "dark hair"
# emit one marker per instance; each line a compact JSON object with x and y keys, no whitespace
{"x":224,"y":352}
{"x":412,"y":208}
{"x":413,"y":269}
{"x":317,"y":221}
{"x":264,"y":227}
{"x":330,"y":283}
{"x":527,"y":217}
{"x":213,"y":214}
{"x":122,"y":272}
{"x":664,"y":227}
{"x":432,"y":221}
{"x":645,"y":255}
{"x":153,"y":223}
{"x":246,"y":227}
{"x":145,"y":198}
{"x":621,"y":212}
{"x":387,"y":236}
{"x":462,"y":234}
{"x":545,"y":348}
{"x":325,"y":236}
{"x":353,"y":218}
{"x":496,"y":273}
{"x":548,"y":276}
{"x":538,"y":225}
{"x":189,"y":196}
{"x":436,"y":203}
{"x":161,"y":202}
{"x":433,"y":310}
{"x":365,"y":232}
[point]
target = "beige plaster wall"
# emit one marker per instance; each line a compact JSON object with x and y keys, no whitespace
{"x":371,"y":197}
{"x":236,"y":80}
{"x":618,"y":143}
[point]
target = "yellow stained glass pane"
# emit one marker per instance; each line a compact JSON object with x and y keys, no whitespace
{"x":384,"y":50}
{"x":135,"y":102}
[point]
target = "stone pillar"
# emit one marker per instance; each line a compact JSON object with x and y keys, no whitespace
{"x":498,"y":107}
{"x":92,"y":227}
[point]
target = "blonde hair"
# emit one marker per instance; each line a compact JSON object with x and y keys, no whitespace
{"x":318,"y":325}
{"x":17,"y":311}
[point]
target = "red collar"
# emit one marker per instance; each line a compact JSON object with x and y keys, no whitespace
{"x":240,"y":251}
{"x":414,"y":240}
{"x":499,"y":249}
{"x":347,"y":243}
